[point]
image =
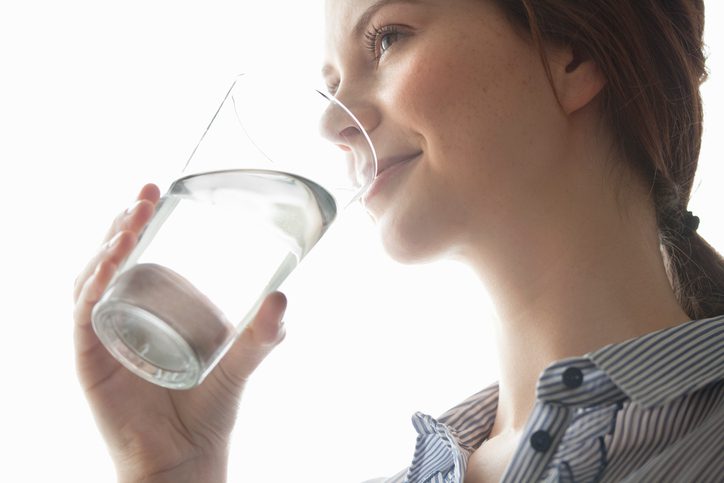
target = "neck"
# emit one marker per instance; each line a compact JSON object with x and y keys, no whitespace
{"x":592,"y":275}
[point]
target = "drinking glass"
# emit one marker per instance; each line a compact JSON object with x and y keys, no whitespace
{"x":268,"y":177}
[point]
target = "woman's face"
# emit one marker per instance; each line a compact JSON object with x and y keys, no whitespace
{"x":459,"y":109}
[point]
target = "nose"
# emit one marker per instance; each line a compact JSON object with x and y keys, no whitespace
{"x":340,"y":128}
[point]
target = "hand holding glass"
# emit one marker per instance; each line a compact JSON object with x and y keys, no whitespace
{"x":262,"y":186}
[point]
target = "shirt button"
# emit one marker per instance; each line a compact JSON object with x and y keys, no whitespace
{"x":572,"y":377}
{"x":541,"y":440}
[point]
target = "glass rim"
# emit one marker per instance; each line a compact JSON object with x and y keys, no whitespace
{"x":329,"y":98}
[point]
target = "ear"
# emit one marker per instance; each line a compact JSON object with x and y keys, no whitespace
{"x":577,"y":79}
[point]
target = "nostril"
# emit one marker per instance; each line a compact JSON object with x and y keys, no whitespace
{"x":348,"y":136}
{"x":349,"y":132}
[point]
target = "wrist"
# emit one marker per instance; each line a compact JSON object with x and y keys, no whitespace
{"x":206,"y":469}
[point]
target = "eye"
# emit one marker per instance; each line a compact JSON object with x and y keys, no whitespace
{"x":379,"y":39}
{"x":387,"y":39}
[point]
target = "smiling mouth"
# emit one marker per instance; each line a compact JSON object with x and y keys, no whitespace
{"x":388,"y":163}
{"x":388,"y":168}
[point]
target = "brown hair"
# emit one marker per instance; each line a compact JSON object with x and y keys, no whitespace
{"x":651,"y":54}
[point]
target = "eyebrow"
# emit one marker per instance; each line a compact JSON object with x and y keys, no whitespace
{"x":372,"y":10}
{"x":364,"y":20}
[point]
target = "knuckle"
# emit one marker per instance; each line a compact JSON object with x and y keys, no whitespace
{"x":118,"y":220}
{"x":76,"y":289}
{"x":116,"y":241}
{"x":106,"y":267}
{"x":76,"y":282}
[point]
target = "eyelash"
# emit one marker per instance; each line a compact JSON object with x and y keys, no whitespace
{"x":374,"y":38}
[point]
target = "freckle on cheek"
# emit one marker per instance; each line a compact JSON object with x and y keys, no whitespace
{"x":429,"y":81}
{"x":410,"y":88}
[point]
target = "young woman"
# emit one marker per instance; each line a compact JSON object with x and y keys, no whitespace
{"x":552,"y":146}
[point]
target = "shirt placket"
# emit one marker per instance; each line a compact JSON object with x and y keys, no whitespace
{"x":543,"y":432}
{"x":562,"y":389}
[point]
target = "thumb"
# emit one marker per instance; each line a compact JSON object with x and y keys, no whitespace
{"x":255,"y":342}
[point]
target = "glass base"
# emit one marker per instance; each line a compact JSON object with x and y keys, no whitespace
{"x":146,"y":345}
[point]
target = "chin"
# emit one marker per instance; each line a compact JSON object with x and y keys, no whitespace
{"x":409,"y":242}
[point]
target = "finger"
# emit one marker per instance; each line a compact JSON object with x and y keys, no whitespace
{"x":92,"y":359}
{"x":150,"y":192}
{"x":255,"y":342}
{"x":89,"y":296}
{"x":133,"y":219}
{"x":267,"y":326}
{"x":115,"y":251}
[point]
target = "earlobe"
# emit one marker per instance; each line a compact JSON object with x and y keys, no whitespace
{"x":579,"y":82}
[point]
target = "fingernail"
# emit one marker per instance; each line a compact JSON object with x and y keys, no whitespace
{"x":281,"y":332}
{"x":113,"y":242}
{"x":131,"y":209}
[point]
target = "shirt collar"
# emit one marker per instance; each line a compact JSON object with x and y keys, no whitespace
{"x":444,"y":444}
{"x":658,"y":367}
{"x":472,"y":420}
{"x":650,"y":370}
{"x":689,"y":355}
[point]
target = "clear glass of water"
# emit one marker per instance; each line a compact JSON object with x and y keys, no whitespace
{"x":272,"y":171}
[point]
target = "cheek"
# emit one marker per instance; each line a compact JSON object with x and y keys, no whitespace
{"x":463,"y":97}
{"x":424,"y":88}
{"x":482,"y":105}
{"x":481,"y":120}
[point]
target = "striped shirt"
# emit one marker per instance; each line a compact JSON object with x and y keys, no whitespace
{"x":647,"y":409}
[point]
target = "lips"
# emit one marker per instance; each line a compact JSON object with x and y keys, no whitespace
{"x":386,"y":163}
{"x":387,"y":168}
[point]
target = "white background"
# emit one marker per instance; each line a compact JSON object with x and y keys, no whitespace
{"x":97,"y":98}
